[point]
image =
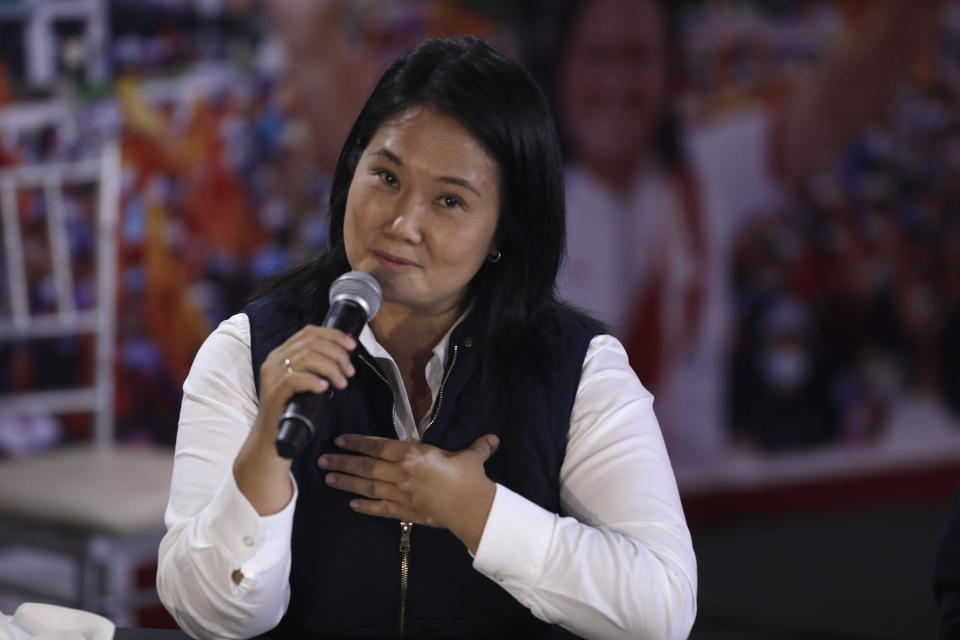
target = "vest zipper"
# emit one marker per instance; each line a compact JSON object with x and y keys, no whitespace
{"x":393,"y":407}
{"x":406,"y":528}
{"x":443,"y":383}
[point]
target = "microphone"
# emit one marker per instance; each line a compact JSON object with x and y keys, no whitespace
{"x":355,"y":299}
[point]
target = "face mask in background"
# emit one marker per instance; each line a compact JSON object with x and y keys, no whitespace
{"x":785,"y":368}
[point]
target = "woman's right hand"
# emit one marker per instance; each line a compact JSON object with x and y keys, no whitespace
{"x":318,"y":358}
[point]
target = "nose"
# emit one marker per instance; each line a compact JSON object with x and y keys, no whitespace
{"x":407,"y":224}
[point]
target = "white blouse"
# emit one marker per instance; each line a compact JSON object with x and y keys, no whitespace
{"x":618,"y":561}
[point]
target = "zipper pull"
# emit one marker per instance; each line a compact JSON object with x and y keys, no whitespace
{"x":405,"y":528}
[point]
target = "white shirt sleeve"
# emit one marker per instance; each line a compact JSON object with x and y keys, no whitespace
{"x":619,"y":563}
{"x":212,"y":529}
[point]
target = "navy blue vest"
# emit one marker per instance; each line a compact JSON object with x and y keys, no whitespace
{"x":345,"y":577}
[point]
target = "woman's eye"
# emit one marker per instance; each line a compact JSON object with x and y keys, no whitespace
{"x":451,"y":202}
{"x":386,"y":177}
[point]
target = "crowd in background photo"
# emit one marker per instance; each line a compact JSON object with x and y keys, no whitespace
{"x":846,"y":292}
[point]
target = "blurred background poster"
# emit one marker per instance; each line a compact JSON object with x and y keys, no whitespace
{"x":798,"y":322}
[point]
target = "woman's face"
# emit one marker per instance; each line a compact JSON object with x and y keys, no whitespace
{"x":612,"y":81}
{"x":422,"y":210}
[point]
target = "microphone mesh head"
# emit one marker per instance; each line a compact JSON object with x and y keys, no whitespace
{"x":361,"y":287}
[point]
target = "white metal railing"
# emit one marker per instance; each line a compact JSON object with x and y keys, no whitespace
{"x":67,"y":320}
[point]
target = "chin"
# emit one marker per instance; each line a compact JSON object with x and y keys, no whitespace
{"x":396,"y":293}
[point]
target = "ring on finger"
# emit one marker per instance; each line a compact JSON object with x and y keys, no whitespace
{"x":286,"y":365}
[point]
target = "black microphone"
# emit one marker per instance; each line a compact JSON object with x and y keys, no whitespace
{"x":355,"y":299}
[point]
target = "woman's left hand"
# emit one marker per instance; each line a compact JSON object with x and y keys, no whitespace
{"x":416,"y":482}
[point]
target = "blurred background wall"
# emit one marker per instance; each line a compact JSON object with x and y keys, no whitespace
{"x":818,"y":462}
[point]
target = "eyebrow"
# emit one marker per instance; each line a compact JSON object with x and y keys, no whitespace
{"x":391,"y":156}
{"x":461,"y":182}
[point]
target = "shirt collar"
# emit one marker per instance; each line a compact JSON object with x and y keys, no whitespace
{"x":375,"y":349}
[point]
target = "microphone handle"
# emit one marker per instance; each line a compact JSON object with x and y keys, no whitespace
{"x":296,"y":427}
{"x":296,"y":424}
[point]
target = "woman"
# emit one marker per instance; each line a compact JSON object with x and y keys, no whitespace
{"x":654,"y":207}
{"x":474,"y":405}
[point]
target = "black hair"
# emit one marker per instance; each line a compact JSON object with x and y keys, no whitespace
{"x":503,"y":108}
{"x":547,"y":25}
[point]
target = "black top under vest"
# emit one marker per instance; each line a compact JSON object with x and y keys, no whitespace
{"x":345,"y":575}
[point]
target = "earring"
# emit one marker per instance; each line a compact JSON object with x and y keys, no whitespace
{"x":495,"y":257}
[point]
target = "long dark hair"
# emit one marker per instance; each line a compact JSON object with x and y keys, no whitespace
{"x":501,"y":105}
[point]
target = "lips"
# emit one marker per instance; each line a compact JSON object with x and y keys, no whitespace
{"x":392,"y":259}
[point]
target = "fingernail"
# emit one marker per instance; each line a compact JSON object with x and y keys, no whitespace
{"x":354,"y":504}
{"x":351,"y":344}
{"x":322,"y":461}
{"x":494,"y":441}
{"x":331,"y":479}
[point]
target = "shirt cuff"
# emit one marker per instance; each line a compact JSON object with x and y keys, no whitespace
{"x":514,"y":542}
{"x":245,"y":537}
